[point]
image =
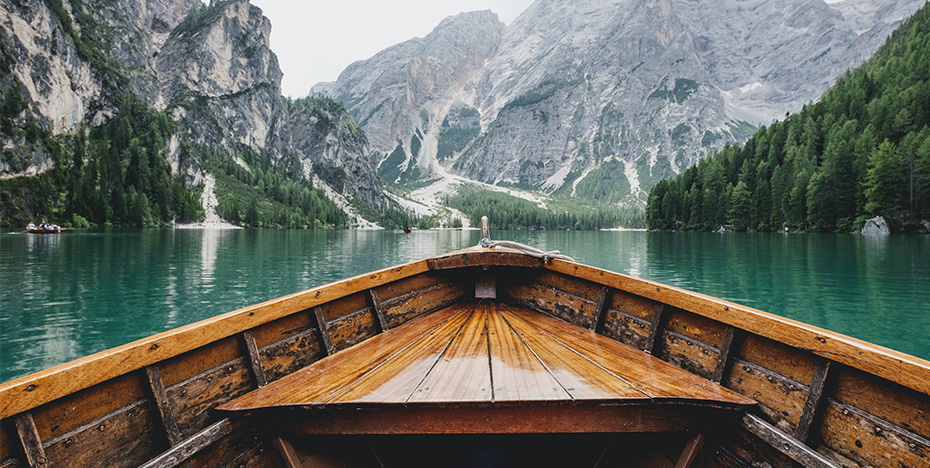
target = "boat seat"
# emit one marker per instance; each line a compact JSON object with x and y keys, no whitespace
{"x":489,"y":367}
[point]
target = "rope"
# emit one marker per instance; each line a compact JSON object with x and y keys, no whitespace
{"x":532,"y":251}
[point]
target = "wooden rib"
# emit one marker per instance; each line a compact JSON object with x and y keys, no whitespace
{"x":325,"y":339}
{"x":288,"y":454}
{"x":517,"y":372}
{"x":898,"y":367}
{"x":723,"y":358}
{"x":379,"y":312}
{"x":784,"y":443}
{"x":581,"y":378}
{"x":320,"y":381}
{"x":163,"y":405}
{"x":600,"y":314}
{"x":652,"y":376}
{"x":463,"y":372}
{"x":32,"y":443}
{"x":396,"y":380}
{"x":192,"y":445}
{"x":689,"y":454}
{"x":814,"y":398}
{"x":655,"y":329}
{"x":255,"y":359}
{"x":42,"y":387}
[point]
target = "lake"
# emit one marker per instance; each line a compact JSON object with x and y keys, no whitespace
{"x":64,"y":297}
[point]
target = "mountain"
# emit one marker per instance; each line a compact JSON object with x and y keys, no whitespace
{"x":861,"y":151}
{"x":107,"y":102}
{"x":600,"y":99}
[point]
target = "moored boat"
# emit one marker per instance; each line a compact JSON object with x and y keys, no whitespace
{"x":489,"y":355}
{"x":45,"y":231}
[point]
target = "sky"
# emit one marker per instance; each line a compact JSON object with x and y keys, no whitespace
{"x":316,"y":39}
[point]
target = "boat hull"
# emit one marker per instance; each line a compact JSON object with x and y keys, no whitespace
{"x":153,"y":402}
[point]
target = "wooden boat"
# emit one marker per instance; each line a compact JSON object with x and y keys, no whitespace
{"x":488,"y":356}
{"x":45,"y":231}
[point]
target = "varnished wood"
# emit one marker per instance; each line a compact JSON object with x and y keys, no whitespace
{"x":379,"y":311}
{"x":518,"y":373}
{"x":31,"y":443}
{"x":650,"y":375}
{"x":910,"y":371}
{"x":581,"y":377}
{"x":462,"y":373}
{"x":33,"y":390}
{"x":812,"y":405}
{"x":255,"y":359}
{"x":324,"y":379}
{"x":690,"y":452}
{"x":785,"y":444}
{"x":723,"y":358}
{"x":288,"y":454}
{"x":325,"y":338}
{"x":396,"y":379}
{"x":193,"y":445}
{"x":513,"y":419}
{"x":163,"y":405}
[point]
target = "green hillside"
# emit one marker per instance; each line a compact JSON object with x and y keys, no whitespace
{"x":862,"y":151}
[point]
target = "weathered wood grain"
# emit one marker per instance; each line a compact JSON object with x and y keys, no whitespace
{"x":573,"y":309}
{"x":286,"y":356}
{"x":781,"y":400}
{"x":31,"y":443}
{"x":869,"y":440}
{"x":814,"y":398}
{"x":883,"y":399}
{"x":687,"y":353}
{"x":723,"y":355}
{"x":785,"y":443}
{"x":195,"y":399}
{"x":895,"y":366}
{"x":352,"y":329}
{"x":192,"y":445}
{"x":162,"y":405}
{"x":326,"y":340}
{"x":379,"y":311}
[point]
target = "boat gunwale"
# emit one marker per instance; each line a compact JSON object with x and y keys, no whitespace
{"x":31,"y":391}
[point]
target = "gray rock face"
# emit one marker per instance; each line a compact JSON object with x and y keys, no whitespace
{"x":876,"y":227}
{"x":214,"y":72}
{"x":579,"y":93}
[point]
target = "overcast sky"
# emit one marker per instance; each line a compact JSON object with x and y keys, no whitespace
{"x":315,"y":40}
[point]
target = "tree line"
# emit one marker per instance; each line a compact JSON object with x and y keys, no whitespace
{"x":862,"y":151}
{"x":510,"y":212}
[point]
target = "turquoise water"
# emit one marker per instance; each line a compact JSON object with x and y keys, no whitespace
{"x":63,"y":297}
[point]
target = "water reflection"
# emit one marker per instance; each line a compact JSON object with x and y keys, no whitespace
{"x":66,"y":296}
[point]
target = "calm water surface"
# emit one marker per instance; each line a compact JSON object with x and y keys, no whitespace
{"x":63,"y":297}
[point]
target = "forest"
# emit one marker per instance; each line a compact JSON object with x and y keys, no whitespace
{"x":509,"y":212}
{"x":862,"y":150}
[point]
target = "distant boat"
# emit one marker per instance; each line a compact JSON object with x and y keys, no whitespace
{"x":48,"y":231}
{"x":490,"y":353}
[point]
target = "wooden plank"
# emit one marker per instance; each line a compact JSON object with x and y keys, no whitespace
{"x":490,"y":419}
{"x":352,"y":329}
{"x":463,"y":373}
{"x":379,"y":311}
{"x":723,"y":357}
{"x":580,"y":377}
{"x":325,"y":339}
{"x":193,"y":445}
{"x":654,"y":377}
{"x":655,"y":330}
{"x":600,"y":313}
{"x":547,"y":299}
{"x":397,"y":379}
{"x":910,"y":371}
{"x":288,"y":454}
{"x":812,"y":405}
{"x":32,"y":444}
{"x":42,"y":387}
{"x":868,"y":440}
{"x":318,"y":382}
{"x":883,"y":399}
{"x":255,"y":359}
{"x":780,"y":399}
{"x":784,"y":443}
{"x":689,"y":453}
{"x":163,"y":405}
{"x":517,"y":372}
